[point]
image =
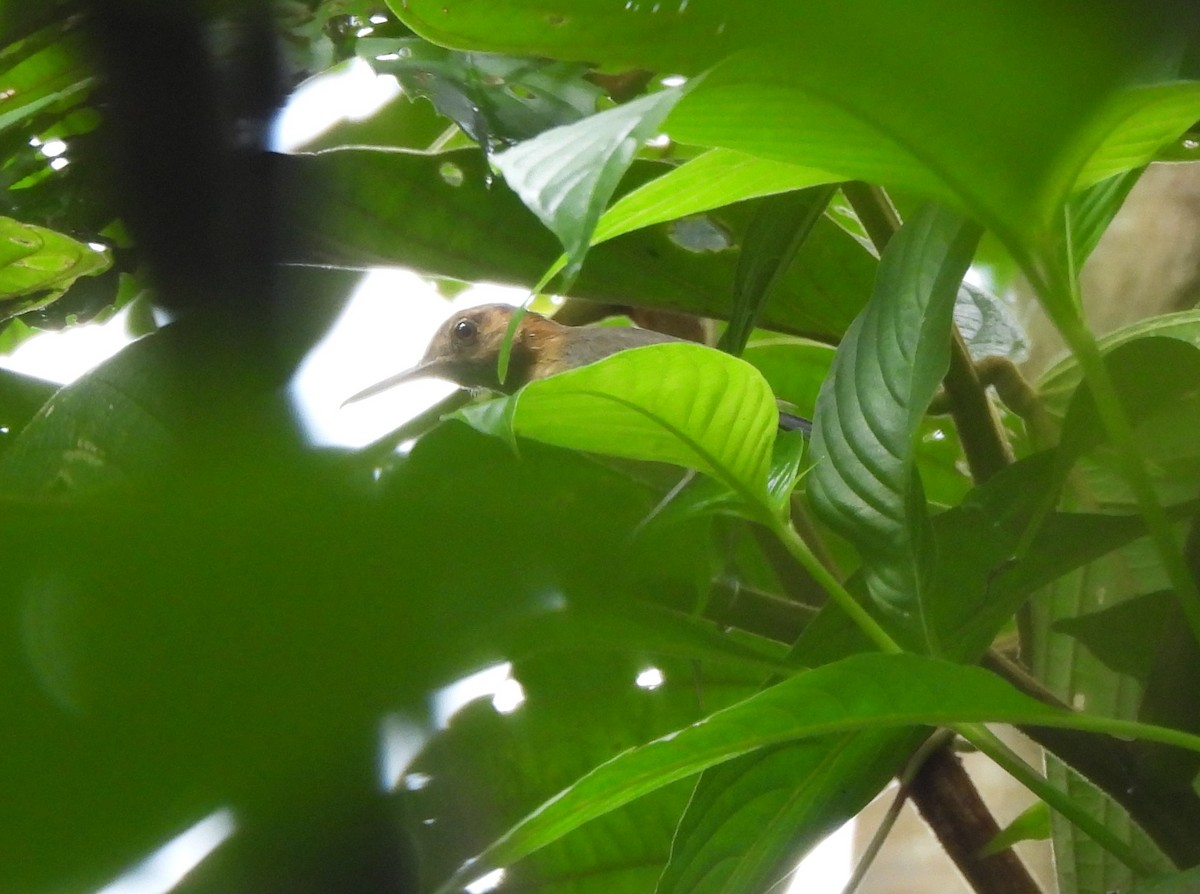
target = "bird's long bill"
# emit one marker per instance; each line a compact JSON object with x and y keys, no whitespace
{"x":417,"y":372}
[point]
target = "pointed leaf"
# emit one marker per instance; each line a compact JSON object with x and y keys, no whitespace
{"x":860,"y":692}
{"x":780,"y":227}
{"x":716,"y":178}
{"x":1032,"y":825}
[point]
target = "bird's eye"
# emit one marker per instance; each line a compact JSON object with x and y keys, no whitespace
{"x":465,"y":331}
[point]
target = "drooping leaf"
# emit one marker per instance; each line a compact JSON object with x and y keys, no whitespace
{"x":862,"y":692}
{"x":568,"y":174}
{"x":679,"y":403}
{"x":497,"y":100}
{"x":864,"y":482}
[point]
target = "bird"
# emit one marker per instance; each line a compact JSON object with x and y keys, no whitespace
{"x":466,"y":350}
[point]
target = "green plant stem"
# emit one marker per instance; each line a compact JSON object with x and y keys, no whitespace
{"x":987,"y":742}
{"x":800,"y":551}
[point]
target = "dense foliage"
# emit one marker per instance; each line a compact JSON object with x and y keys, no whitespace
{"x":207,"y":617}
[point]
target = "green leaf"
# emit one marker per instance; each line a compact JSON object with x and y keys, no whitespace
{"x":21,"y":396}
{"x":401,"y":123}
{"x":581,"y":707}
{"x":1032,"y":825}
{"x":751,"y":819}
{"x":997,"y":143}
{"x":864,"y":482}
{"x":1058,"y":384}
{"x":440,"y":215}
{"x":795,"y":368}
{"x":1091,"y":210}
{"x":56,"y":75}
{"x":642,"y":629}
{"x":1125,"y":637}
{"x":497,"y":100}
{"x":568,"y":174}
{"x":861,"y":692}
{"x":679,"y":403}
{"x":780,"y":227}
{"x":37,"y":265}
{"x":1138,"y":122}
{"x":715,"y":178}
{"x":1150,"y":374}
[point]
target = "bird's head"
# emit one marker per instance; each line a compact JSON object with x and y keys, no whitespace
{"x":466,"y":350}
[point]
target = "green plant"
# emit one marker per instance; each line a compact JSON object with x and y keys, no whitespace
{"x":224,"y":616}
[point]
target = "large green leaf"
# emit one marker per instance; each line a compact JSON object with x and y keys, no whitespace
{"x":864,"y":482}
{"x":679,"y":403}
{"x":234,"y":626}
{"x":794,"y":85}
{"x":862,"y":692}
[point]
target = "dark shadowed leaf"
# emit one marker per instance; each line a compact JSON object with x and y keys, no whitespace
{"x":864,"y":481}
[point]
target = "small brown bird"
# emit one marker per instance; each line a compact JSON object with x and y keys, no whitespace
{"x":466,"y":350}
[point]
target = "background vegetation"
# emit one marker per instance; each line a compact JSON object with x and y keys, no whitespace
{"x":202,"y":612}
